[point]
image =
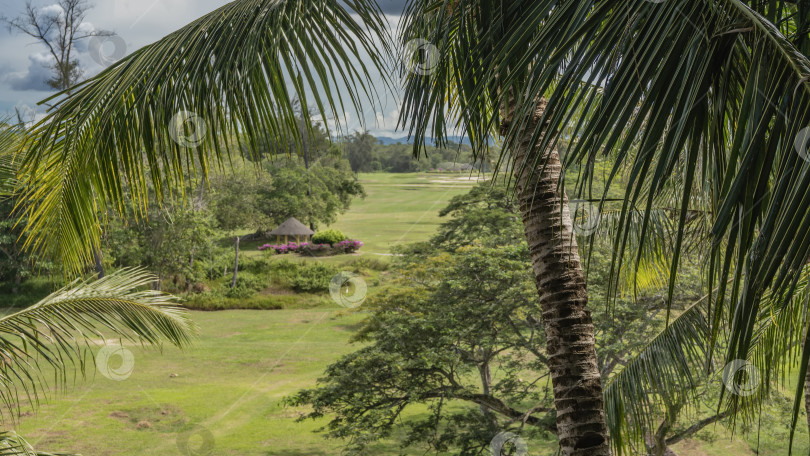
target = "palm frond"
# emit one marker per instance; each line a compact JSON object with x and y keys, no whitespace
{"x":179,"y":104}
{"x":664,"y":373}
{"x":11,"y":139}
{"x":12,"y":444}
{"x":51,"y":339}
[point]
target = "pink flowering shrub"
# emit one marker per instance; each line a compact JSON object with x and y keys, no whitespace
{"x":310,"y":249}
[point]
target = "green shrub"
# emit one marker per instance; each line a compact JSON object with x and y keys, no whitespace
{"x":251,"y":281}
{"x":330,"y":236}
{"x":240,"y":292}
{"x":363,"y":265}
{"x":313,"y":278}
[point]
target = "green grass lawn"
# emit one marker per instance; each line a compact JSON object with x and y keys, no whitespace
{"x":400,"y":208}
{"x":233,"y":380}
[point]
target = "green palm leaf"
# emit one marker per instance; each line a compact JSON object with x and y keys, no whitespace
{"x":51,"y":338}
{"x":12,"y":444}
{"x":664,"y":373}
{"x":234,"y":73}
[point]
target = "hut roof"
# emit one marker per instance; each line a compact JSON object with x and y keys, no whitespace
{"x":292,"y":227}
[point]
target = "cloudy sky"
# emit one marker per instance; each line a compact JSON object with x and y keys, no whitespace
{"x":137,"y":22}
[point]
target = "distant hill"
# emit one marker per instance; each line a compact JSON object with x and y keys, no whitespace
{"x":387,"y":140}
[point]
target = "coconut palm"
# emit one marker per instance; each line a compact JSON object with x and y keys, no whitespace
{"x":711,"y":95}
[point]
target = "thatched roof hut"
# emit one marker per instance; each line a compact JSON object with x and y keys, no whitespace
{"x":292,"y":227}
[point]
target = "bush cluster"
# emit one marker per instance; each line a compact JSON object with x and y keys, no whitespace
{"x":330,"y":237}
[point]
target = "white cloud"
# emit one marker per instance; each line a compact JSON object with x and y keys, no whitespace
{"x":36,"y":77}
{"x":51,"y":10}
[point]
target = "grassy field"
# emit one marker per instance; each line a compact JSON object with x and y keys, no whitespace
{"x":230,"y":385}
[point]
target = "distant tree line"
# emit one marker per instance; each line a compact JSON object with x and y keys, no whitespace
{"x":366,"y":154}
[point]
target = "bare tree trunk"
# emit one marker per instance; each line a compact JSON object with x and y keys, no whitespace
{"x":99,"y":263}
{"x":807,"y":397}
{"x":486,"y":386}
{"x":17,"y":281}
{"x":560,"y":282}
{"x":235,"y":264}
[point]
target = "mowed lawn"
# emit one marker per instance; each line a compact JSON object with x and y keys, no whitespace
{"x":400,"y":208}
{"x":226,"y":391}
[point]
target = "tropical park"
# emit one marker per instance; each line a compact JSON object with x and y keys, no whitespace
{"x":405,"y":227}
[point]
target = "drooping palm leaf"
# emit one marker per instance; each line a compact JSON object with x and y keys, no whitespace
{"x":51,"y":338}
{"x":664,"y":372}
{"x":713,"y":94}
{"x":673,"y":363}
{"x":233,"y":73}
{"x":11,"y":444}
{"x":11,"y":138}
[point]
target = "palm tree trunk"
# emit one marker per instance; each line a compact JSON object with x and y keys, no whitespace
{"x":560,"y":282}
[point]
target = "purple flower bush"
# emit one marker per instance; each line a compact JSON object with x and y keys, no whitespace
{"x":307,"y":248}
{"x":348,"y":246}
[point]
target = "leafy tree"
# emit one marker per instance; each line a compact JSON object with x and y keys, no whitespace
{"x":358,"y":150}
{"x":488,"y":211}
{"x":16,"y":263}
{"x":171,"y":242}
{"x":237,"y":198}
{"x":329,"y":193}
{"x":437,"y":337}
